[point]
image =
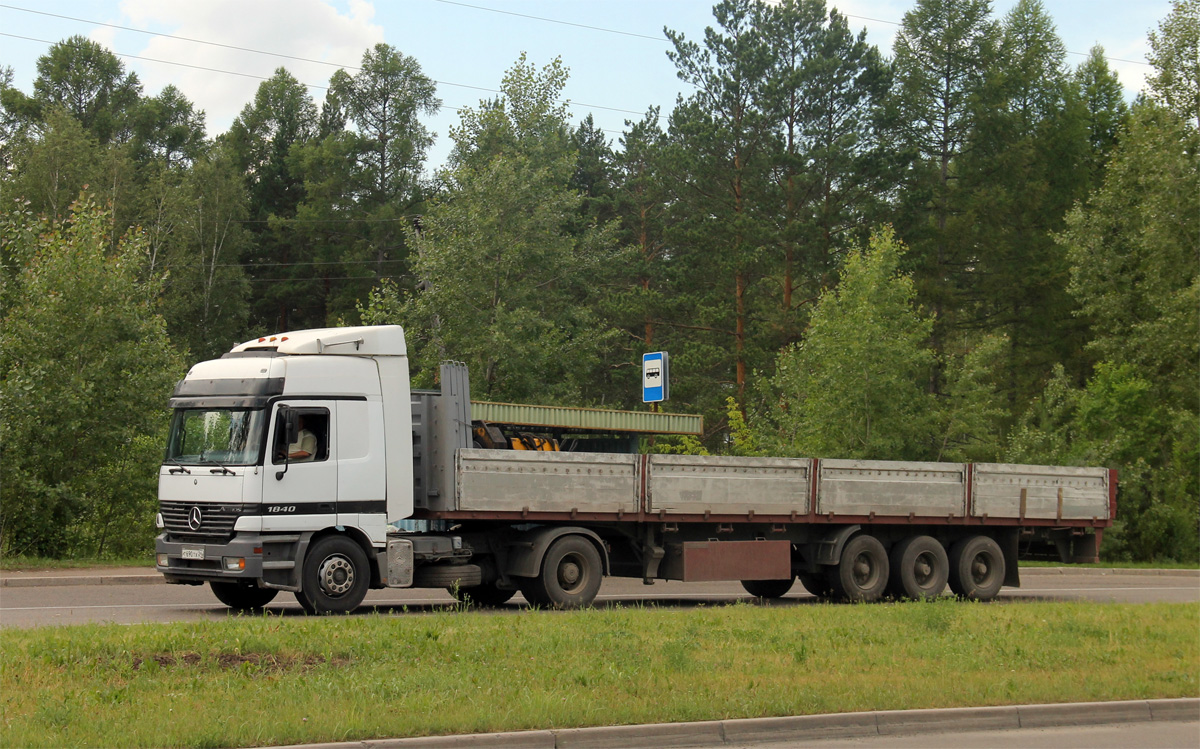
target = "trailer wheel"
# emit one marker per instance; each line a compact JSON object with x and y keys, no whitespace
{"x":817,"y":584}
{"x":976,"y":568}
{"x":862,"y":574}
{"x":570,"y":578}
{"x":242,"y":597}
{"x":335,"y":577}
{"x":486,"y":594}
{"x":920,"y":568}
{"x":768,"y":588}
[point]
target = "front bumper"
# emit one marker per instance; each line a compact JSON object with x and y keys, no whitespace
{"x":188,"y":571}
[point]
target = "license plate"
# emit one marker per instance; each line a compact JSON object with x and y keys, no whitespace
{"x":193,"y":553}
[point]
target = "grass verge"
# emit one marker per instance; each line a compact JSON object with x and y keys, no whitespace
{"x":277,"y":680}
{"x":1120,"y":565}
{"x":43,"y":563}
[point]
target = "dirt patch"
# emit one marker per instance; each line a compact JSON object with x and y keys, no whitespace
{"x":226,"y":661}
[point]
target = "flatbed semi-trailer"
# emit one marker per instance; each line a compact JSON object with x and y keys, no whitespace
{"x":243,"y":510}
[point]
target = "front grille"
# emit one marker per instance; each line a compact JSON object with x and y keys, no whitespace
{"x":216,"y":520}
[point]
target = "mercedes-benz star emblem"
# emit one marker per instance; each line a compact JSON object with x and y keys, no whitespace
{"x":194,"y":519}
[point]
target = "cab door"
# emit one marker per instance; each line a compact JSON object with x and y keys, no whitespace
{"x":300,"y":492}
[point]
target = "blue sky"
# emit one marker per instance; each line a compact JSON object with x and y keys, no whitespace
{"x":614,"y":76}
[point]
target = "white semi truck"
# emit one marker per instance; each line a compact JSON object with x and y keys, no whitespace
{"x":294,"y":460}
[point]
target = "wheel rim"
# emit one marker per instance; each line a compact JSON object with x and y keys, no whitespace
{"x":924,"y":569}
{"x":336,"y":576}
{"x":572,"y":573}
{"x":864,"y":570}
{"x":982,"y":569}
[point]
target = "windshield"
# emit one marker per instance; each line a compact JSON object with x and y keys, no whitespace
{"x":223,"y":436}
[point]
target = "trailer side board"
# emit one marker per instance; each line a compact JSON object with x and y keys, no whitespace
{"x":514,"y":481}
{"x":1040,"y":492}
{"x":719,"y":485}
{"x":891,"y":488}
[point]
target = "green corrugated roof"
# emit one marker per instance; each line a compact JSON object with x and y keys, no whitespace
{"x":592,"y":419}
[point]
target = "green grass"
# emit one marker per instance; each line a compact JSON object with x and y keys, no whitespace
{"x":1120,"y":565}
{"x":44,"y":563}
{"x":277,"y":680}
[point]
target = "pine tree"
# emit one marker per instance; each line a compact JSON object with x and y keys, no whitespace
{"x":942,"y":55}
{"x":722,"y":140}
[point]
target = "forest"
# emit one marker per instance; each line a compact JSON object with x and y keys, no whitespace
{"x":969,"y":250}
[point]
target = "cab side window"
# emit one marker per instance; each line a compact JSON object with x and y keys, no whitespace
{"x":311,"y":441}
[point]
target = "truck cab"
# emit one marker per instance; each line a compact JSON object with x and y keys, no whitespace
{"x":240,"y":509}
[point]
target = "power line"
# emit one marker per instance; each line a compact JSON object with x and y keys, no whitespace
{"x":554,"y":20}
{"x":164,"y":62}
{"x":306,"y":85}
{"x":178,"y":38}
{"x":659,"y":39}
{"x":254,"y":51}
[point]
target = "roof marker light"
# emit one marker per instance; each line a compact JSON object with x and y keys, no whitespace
{"x":260,"y":340}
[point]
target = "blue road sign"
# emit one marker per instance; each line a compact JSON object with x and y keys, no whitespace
{"x":655,"y":377}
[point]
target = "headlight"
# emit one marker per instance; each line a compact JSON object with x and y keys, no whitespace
{"x":158,"y":521}
{"x":234,"y":564}
{"x":162,"y":560}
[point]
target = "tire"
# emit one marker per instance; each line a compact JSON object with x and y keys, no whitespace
{"x":242,"y":597}
{"x":486,"y":594}
{"x":919,"y":568}
{"x":570,"y":577}
{"x":304,"y":602}
{"x":817,"y":584}
{"x":976,"y":568}
{"x":862,"y":573}
{"x":768,"y":588}
{"x":531,"y":589}
{"x":448,"y":576}
{"x":335,"y":577}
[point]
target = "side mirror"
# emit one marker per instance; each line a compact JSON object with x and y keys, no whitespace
{"x":287,"y":425}
{"x":291,"y":424}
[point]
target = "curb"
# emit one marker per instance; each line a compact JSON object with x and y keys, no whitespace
{"x":157,"y":579}
{"x":802,"y":728}
{"x":1037,"y":571}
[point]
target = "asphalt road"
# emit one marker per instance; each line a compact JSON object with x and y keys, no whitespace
{"x":1158,"y":735}
{"x":128,"y":604}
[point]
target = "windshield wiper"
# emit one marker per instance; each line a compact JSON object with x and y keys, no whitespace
{"x":221,"y":469}
{"x":180,"y":469}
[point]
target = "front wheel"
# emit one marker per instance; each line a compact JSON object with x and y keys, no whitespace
{"x":242,"y":597}
{"x":862,"y":573}
{"x":768,"y":588}
{"x":335,"y":576}
{"x":570,"y":577}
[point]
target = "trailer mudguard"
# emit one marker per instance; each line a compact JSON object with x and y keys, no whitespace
{"x":526,"y":552}
{"x":1010,"y":545}
{"x":829,"y":549}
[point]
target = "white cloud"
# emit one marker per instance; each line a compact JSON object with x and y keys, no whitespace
{"x":309,"y":29}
